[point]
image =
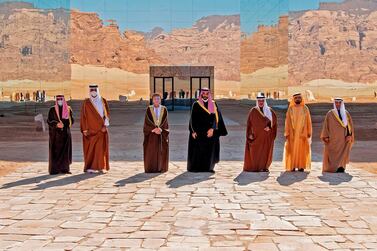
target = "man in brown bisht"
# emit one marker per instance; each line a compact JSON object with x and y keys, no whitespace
{"x":298,"y":133}
{"x":260,"y":136}
{"x":156,"y":137}
{"x":338,"y":136}
{"x":94,"y":123}
{"x":60,"y":120}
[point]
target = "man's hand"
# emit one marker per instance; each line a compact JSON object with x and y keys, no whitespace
{"x":86,"y":133}
{"x":157,"y":130}
{"x":60,"y":125}
{"x":194,"y":135}
{"x":210,"y":133}
{"x":251,"y":137}
{"x":104,"y":129}
{"x":267,"y":129}
{"x":326,"y":140}
{"x":349,"y":138}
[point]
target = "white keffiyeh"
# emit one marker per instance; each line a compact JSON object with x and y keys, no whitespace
{"x":98,"y":104}
{"x":342,"y":111}
{"x":266,"y":110}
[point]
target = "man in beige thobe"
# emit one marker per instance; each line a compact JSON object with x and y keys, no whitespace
{"x":338,"y":136}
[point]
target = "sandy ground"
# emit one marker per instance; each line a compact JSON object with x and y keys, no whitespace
{"x":20,"y":143}
{"x":10,"y":166}
{"x":114,"y":82}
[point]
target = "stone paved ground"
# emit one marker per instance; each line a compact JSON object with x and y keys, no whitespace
{"x":230,"y":210}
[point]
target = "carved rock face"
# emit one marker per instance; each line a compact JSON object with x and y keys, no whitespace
{"x":342,"y":46}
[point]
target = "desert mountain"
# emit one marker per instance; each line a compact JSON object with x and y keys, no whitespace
{"x":267,"y":47}
{"x":212,"y":40}
{"x":333,"y":44}
{"x":94,"y":43}
{"x":34,"y":43}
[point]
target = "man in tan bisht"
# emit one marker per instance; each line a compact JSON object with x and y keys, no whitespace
{"x":338,"y":136}
{"x":156,"y":137}
{"x":260,"y":136}
{"x":94,"y":123}
{"x":298,"y":133}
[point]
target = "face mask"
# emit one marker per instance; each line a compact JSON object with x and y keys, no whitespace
{"x":60,"y":102}
{"x":93,"y":94}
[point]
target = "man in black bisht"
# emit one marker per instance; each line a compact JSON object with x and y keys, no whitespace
{"x":60,"y":120}
{"x":206,"y":127}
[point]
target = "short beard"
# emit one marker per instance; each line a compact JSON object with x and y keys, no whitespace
{"x":298,"y":102}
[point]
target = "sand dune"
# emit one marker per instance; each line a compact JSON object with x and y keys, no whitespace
{"x":325,"y":89}
{"x":267,"y":79}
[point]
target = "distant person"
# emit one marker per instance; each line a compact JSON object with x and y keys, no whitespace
{"x":206,"y":126}
{"x":60,"y":121}
{"x":94,"y":123}
{"x":156,"y":137}
{"x":260,"y":136}
{"x":338,"y":136}
{"x":298,"y":133}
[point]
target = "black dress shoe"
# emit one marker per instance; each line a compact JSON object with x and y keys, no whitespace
{"x":211,"y":171}
{"x":340,"y":170}
{"x":301,"y":169}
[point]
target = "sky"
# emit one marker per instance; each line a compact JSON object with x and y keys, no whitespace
{"x":144,"y":15}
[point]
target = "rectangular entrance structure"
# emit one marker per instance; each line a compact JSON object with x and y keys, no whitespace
{"x":179,"y":85}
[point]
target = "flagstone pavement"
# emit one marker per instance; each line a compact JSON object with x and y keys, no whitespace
{"x":229,"y":210}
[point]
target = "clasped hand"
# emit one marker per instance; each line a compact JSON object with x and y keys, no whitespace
{"x":157,"y":130}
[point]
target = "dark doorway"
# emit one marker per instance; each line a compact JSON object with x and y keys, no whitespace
{"x":196,"y":84}
{"x":165,"y":86}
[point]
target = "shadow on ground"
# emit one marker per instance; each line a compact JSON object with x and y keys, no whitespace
{"x":335,"y":178}
{"x":67,"y":180}
{"x":188,"y":178}
{"x":138,"y":178}
{"x":290,"y":178}
{"x":28,"y":181}
{"x":246,"y":178}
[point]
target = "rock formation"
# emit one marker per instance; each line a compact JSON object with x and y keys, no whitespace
{"x":339,"y":43}
{"x":34,"y":43}
{"x":267,"y":47}
{"x":212,"y":41}
{"x":94,"y":43}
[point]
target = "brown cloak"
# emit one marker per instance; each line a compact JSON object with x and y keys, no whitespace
{"x":337,"y":151}
{"x":156,"y":147}
{"x":259,"y":150}
{"x":96,"y":144}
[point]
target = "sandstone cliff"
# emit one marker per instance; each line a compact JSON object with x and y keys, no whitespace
{"x":267,"y":47}
{"x":333,"y":44}
{"x":94,"y":43}
{"x":34,"y":44}
{"x":212,"y":40}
